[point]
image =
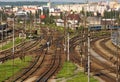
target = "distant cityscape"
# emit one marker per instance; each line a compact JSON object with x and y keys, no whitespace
{"x":21,"y":3}
{"x":100,"y":13}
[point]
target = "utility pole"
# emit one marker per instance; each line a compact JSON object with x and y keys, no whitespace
{"x":1,"y":18}
{"x":117,"y":55}
{"x":13,"y":48}
{"x":25,"y":23}
{"x":88,"y":57}
{"x":13,"y":34}
{"x":65,"y":32}
{"x":88,"y":63}
{"x":68,"y":44}
{"x":2,"y":33}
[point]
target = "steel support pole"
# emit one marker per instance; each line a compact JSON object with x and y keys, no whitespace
{"x":88,"y":57}
{"x":68,"y":48}
{"x":117,"y":55}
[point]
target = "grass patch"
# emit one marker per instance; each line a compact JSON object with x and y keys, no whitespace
{"x":81,"y":77}
{"x":68,"y":72}
{"x":10,"y":44}
{"x":7,"y":69}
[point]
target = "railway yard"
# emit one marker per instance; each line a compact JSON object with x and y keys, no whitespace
{"x":60,"y":41}
{"x":49,"y":53}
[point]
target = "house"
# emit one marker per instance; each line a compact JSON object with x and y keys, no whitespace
{"x":59,"y":22}
{"x":107,"y":22}
{"x":55,"y":11}
{"x":22,"y":15}
{"x":32,"y":9}
{"x":94,"y":20}
{"x":73,"y":20}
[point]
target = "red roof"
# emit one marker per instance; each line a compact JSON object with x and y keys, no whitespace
{"x":42,"y":16}
{"x":73,"y":17}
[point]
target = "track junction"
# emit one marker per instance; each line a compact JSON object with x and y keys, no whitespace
{"x":49,"y":55}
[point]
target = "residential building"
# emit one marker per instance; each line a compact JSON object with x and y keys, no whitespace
{"x":32,"y":9}
{"x":69,"y":7}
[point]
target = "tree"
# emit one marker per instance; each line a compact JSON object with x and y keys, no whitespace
{"x":111,"y":14}
{"x":51,"y":20}
{"x":4,"y":16}
{"x":46,"y":12}
{"x":39,"y":11}
{"x":30,"y":16}
{"x":82,"y":12}
{"x":89,"y":14}
{"x":12,"y":15}
{"x":61,"y":15}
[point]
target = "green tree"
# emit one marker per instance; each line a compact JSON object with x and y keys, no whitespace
{"x":39,"y":11}
{"x":89,"y":14}
{"x":4,"y":16}
{"x":30,"y":16}
{"x":47,"y":18}
{"x":82,"y":12}
{"x":61,"y":15}
{"x":46,"y":12}
{"x":111,"y":14}
{"x":51,"y":19}
{"x":12,"y":15}
{"x":37,"y":14}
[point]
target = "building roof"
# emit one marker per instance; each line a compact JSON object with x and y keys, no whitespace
{"x":73,"y":17}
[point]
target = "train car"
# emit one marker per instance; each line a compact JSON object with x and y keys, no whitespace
{"x":114,"y":27}
{"x":4,"y":31}
{"x":95,"y":28}
{"x":3,"y":26}
{"x":115,"y":38}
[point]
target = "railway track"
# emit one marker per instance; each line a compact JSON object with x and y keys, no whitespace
{"x":48,"y":64}
{"x":19,"y":50}
{"x":97,"y":69}
{"x":45,"y":64}
{"x":107,"y":77}
{"x":33,"y":68}
{"x":55,"y":64}
{"x":108,"y":56}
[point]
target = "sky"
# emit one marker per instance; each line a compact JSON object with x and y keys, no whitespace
{"x":60,"y":0}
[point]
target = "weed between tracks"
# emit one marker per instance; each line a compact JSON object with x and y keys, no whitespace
{"x":7,"y":69}
{"x":71,"y":73}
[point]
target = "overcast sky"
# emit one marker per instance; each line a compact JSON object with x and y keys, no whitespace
{"x":60,"y":0}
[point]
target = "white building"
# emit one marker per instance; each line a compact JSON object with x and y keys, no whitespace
{"x":99,"y":7}
{"x":33,"y":9}
{"x":21,"y":13}
{"x":60,"y":22}
{"x":73,"y":7}
{"x":96,"y":7}
{"x":94,"y":20}
{"x":15,"y":9}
